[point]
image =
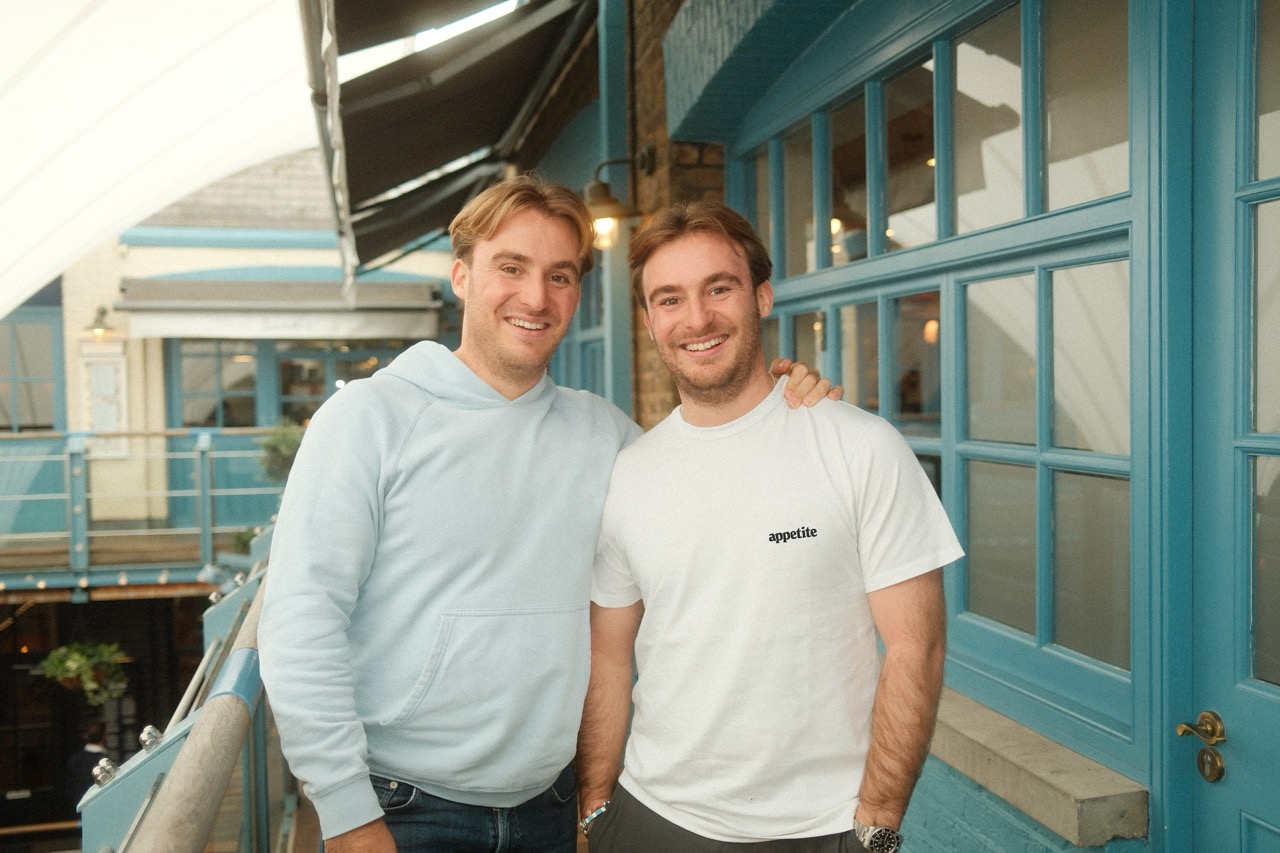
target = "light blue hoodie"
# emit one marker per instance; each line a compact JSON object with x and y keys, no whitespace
{"x":426,"y":602}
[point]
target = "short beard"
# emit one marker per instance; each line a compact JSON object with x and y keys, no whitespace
{"x":721,"y":389}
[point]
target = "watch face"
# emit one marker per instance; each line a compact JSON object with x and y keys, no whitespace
{"x":884,"y":841}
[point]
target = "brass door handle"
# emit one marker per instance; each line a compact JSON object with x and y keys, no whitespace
{"x":1208,"y":727}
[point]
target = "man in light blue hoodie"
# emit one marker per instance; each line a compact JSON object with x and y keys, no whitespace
{"x":425,"y":638}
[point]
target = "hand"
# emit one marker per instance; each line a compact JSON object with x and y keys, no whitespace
{"x":373,"y":837}
{"x":804,"y":385}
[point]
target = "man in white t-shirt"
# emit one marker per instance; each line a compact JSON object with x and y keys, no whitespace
{"x":748,"y":557}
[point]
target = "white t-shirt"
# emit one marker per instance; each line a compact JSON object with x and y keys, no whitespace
{"x":753,"y":545}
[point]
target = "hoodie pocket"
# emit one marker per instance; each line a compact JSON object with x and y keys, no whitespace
{"x":498,"y":704}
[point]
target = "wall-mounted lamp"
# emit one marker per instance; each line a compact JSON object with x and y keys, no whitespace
{"x":607,"y":210}
{"x":99,"y":327}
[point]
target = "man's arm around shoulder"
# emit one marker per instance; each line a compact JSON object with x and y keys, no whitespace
{"x":911,"y":618}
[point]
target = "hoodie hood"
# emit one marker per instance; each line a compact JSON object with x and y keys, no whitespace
{"x":436,"y":370}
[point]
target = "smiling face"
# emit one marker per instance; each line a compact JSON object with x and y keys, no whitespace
{"x":703,"y":314}
{"x":520,"y":287}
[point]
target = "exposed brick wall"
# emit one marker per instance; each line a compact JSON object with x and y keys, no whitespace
{"x":683,"y":171}
{"x":287,"y":192}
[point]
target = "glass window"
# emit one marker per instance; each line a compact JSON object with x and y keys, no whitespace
{"x":860,"y":355}
{"x":809,"y":330}
{"x":919,"y":368}
{"x":988,"y":123}
{"x":1000,"y":321}
{"x":1268,"y":89}
{"x":1266,"y":330}
{"x":764,"y":223}
{"x":908,"y":101}
{"x":1266,"y":562}
{"x":219,"y":383}
{"x":798,"y":183}
{"x":1091,"y":566}
{"x":1086,"y":100}
{"x":769,"y":339}
{"x":28,"y":380}
{"x":1002,"y":543}
{"x":849,"y":183}
{"x":1091,"y":357}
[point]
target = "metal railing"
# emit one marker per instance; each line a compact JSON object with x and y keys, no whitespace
{"x":80,"y":510}
{"x":215,"y":779}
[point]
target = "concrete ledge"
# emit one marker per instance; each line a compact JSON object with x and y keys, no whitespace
{"x":1081,"y":800}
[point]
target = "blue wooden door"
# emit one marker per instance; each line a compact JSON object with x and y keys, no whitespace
{"x":1236,"y":497}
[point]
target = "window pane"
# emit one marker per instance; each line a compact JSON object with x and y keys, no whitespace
{"x":199,"y":411}
{"x":33,"y":351}
{"x":1001,"y":327}
{"x":239,"y":412}
{"x":932,"y":466}
{"x":1002,"y":544}
{"x":769,"y":339}
{"x":908,"y":101}
{"x":1086,"y":99}
{"x":1091,"y":566}
{"x":301,"y":377}
{"x":1266,"y":331}
{"x":6,"y":341}
{"x":1266,"y":562}
{"x":239,"y":373}
{"x":1268,"y":89}
{"x":810,"y":337}
{"x":591,"y":303}
{"x":35,"y":405}
{"x":849,"y":183}
{"x":6,"y":404}
{"x":300,"y":411}
{"x":919,"y":367}
{"x":860,"y":351}
{"x":1091,"y":357}
{"x":988,"y":124}
{"x":764,"y":224}
{"x":199,"y":375}
{"x":798,"y":181}
{"x":353,"y":369}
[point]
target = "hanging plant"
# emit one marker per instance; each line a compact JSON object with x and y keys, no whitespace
{"x":95,"y":668}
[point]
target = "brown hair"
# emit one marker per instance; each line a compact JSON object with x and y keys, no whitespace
{"x":481,"y":218}
{"x":697,"y":217}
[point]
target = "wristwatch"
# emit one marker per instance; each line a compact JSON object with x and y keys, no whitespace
{"x":877,"y":839}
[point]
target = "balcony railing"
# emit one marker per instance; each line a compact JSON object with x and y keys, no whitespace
{"x":84,"y":510}
{"x":214,"y":779}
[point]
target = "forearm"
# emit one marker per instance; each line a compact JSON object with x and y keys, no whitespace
{"x":902,"y":722}
{"x":603,"y":733}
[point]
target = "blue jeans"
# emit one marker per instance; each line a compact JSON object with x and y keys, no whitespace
{"x":421,"y":823}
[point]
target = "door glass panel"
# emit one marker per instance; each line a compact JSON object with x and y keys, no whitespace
{"x":1002,"y":543}
{"x":1001,"y":330}
{"x":1268,"y":89}
{"x":908,"y":102}
{"x":1091,"y":357}
{"x":932,"y":466}
{"x":764,"y":225}
{"x":798,"y":182}
{"x":6,"y":362}
{"x":199,"y":375}
{"x":919,"y":368}
{"x":988,"y":123}
{"x":1266,"y":331}
{"x":1086,"y":99}
{"x":810,"y":336}
{"x":1091,"y":566}
{"x":1266,"y":563}
{"x":199,"y":411}
{"x":33,"y":349}
{"x":849,"y":183}
{"x":860,"y":351}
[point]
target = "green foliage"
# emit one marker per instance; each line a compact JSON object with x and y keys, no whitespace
{"x":279,"y":446}
{"x":95,"y":668}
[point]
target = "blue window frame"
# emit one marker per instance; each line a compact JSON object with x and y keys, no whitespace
{"x":32,"y":390}
{"x":970,"y":253}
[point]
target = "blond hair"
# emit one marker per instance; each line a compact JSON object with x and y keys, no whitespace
{"x":481,"y":218}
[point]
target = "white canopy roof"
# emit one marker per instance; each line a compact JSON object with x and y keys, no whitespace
{"x":112,"y":109}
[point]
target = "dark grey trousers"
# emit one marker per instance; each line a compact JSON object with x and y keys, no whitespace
{"x":629,"y":826}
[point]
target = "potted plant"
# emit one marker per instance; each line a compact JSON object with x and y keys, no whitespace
{"x":279,"y":446}
{"x":95,"y":668}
